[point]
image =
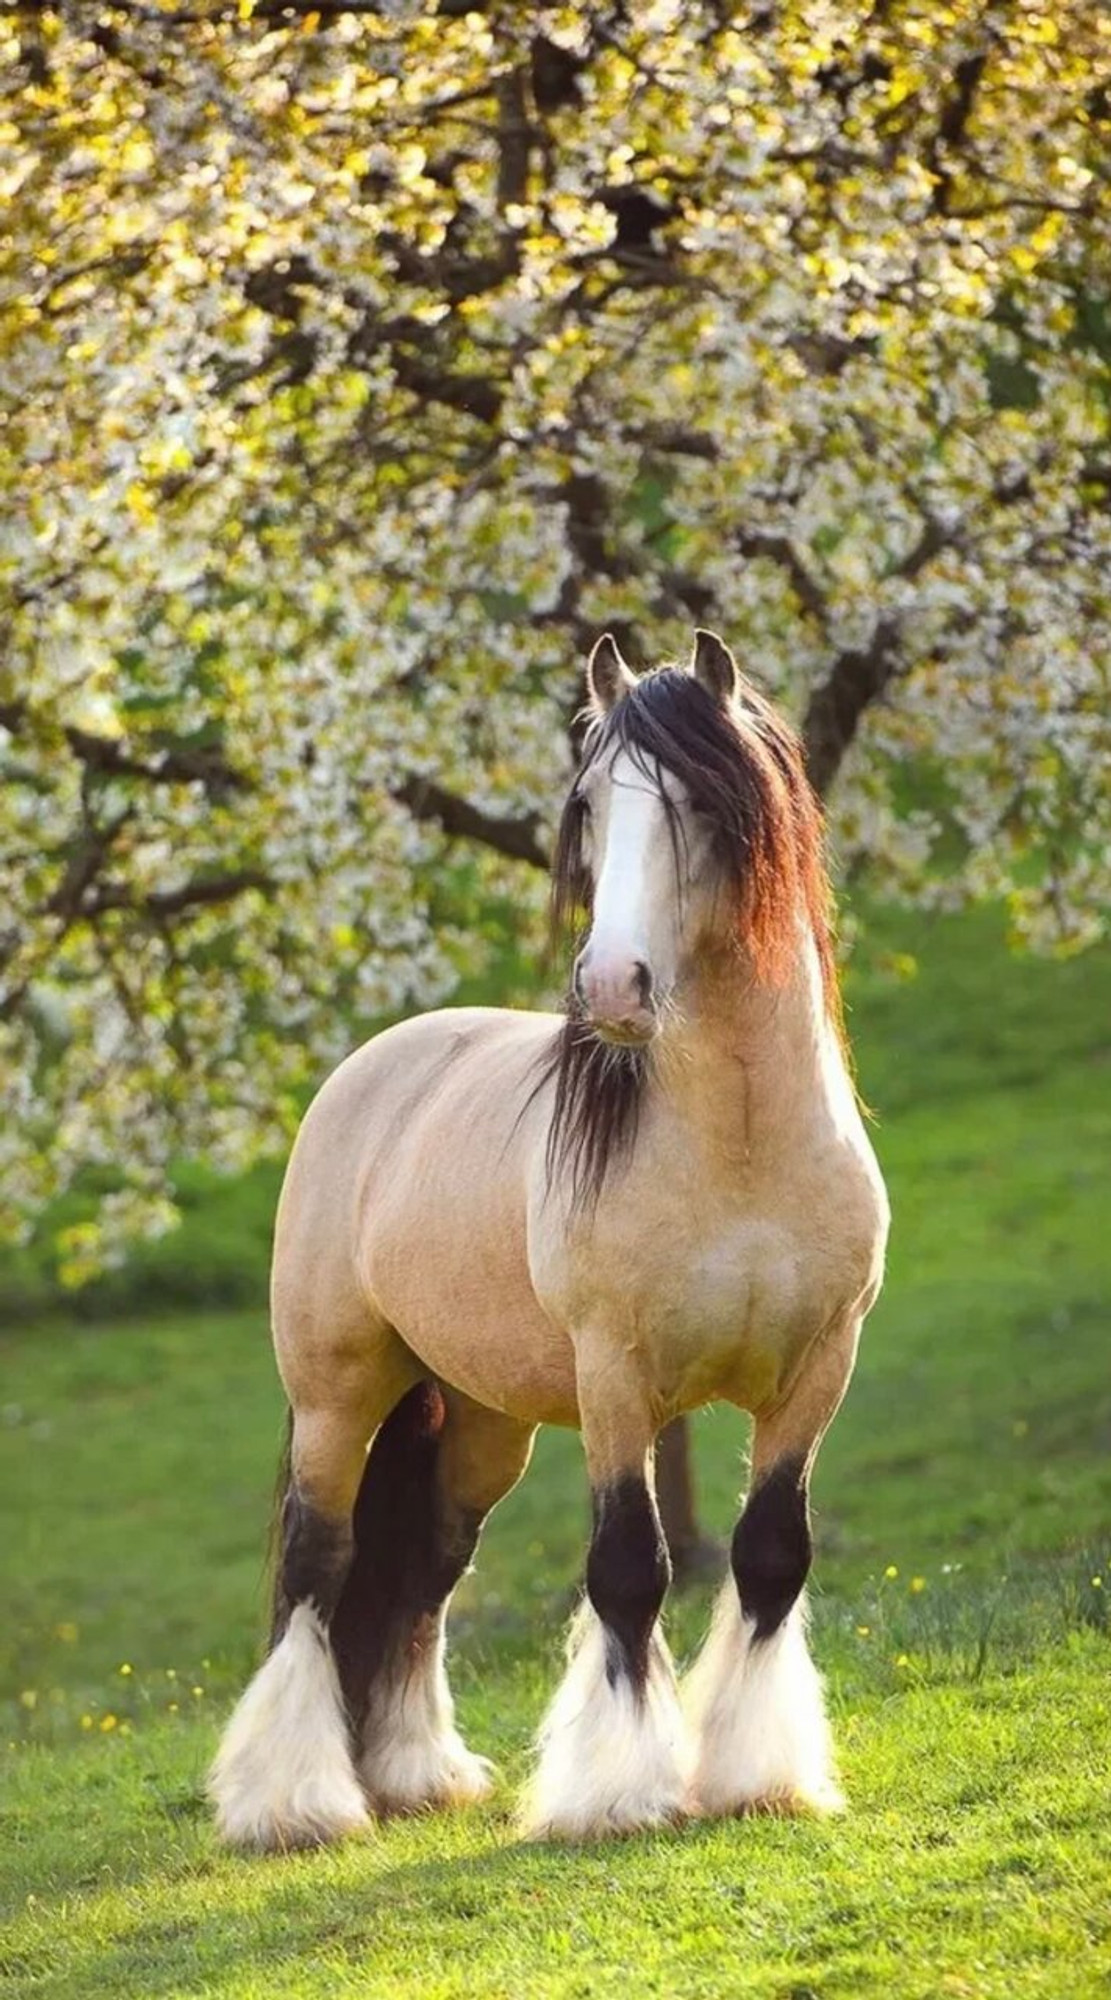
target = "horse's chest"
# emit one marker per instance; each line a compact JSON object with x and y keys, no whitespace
{"x":728,"y":1312}
{"x":726,"y":1305}
{"x":754,"y":1270}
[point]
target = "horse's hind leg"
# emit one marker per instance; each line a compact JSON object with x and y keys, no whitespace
{"x":612,"y":1746}
{"x":284,"y":1775}
{"x":436,"y":1468}
{"x":754,"y":1694}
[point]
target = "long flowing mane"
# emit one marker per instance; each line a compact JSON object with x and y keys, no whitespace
{"x":743,"y":771}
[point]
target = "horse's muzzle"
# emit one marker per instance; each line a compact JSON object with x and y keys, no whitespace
{"x":617,"y":1000}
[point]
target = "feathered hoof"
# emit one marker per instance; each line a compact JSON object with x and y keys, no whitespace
{"x":283,"y":1776}
{"x":758,"y":1713}
{"x":613,"y":1757}
{"x":620,"y":1820}
{"x":818,"y":1802}
{"x":404,"y":1777}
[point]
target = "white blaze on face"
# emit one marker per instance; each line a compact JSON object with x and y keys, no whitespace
{"x":634,"y":927}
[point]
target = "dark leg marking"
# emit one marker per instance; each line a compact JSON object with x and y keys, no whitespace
{"x":627,"y":1574}
{"x":772,"y":1548}
{"x":315,"y":1558}
{"x":410,"y":1551}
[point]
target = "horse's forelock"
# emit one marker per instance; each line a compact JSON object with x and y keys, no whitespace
{"x":742,"y":768}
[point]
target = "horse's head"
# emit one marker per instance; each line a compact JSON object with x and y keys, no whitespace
{"x":690,"y":821}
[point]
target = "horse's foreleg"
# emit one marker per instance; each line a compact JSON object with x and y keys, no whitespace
{"x":435,"y":1471}
{"x":284,"y":1776}
{"x":754,"y":1696}
{"x":612,"y":1746}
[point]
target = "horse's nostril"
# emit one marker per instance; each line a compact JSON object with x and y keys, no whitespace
{"x":577,"y":982}
{"x":643,"y":978}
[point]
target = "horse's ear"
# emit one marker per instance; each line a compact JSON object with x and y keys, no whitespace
{"x":607,"y":676}
{"x":713,"y":664}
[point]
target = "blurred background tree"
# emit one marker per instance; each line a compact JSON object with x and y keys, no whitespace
{"x":361,"y":363}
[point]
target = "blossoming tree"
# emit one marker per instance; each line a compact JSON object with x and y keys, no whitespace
{"x":361,"y":363}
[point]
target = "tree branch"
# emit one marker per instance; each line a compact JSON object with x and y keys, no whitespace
{"x":514,"y":138}
{"x":108,"y":756}
{"x":952,"y":126}
{"x":859,"y":676}
{"x":780,"y":549}
{"x":86,"y":858}
{"x":176,"y":765}
{"x":201,"y":893}
{"x":519,"y":839}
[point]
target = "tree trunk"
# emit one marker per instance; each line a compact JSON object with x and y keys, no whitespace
{"x":692,"y":1553}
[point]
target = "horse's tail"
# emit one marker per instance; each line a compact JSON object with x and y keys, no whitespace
{"x":282,"y":1479}
{"x":398,"y":1554}
{"x":396,"y":1530}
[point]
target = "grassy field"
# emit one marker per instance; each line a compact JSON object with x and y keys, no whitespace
{"x":964,"y":1523}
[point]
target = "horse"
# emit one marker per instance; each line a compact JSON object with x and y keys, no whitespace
{"x":497,"y":1219}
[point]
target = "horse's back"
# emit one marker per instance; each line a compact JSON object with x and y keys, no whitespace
{"x":391,"y":1076}
{"x":379,"y":1120}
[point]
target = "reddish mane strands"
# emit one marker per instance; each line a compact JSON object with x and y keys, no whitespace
{"x":743,"y":772}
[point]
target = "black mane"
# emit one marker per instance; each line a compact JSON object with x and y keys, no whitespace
{"x":744,"y":775}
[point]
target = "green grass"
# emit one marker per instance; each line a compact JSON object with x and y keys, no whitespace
{"x":971,"y":1690}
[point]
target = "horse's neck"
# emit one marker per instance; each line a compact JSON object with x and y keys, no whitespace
{"x":748,"y":1063}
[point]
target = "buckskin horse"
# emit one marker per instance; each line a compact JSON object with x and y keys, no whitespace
{"x":493,"y":1220}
